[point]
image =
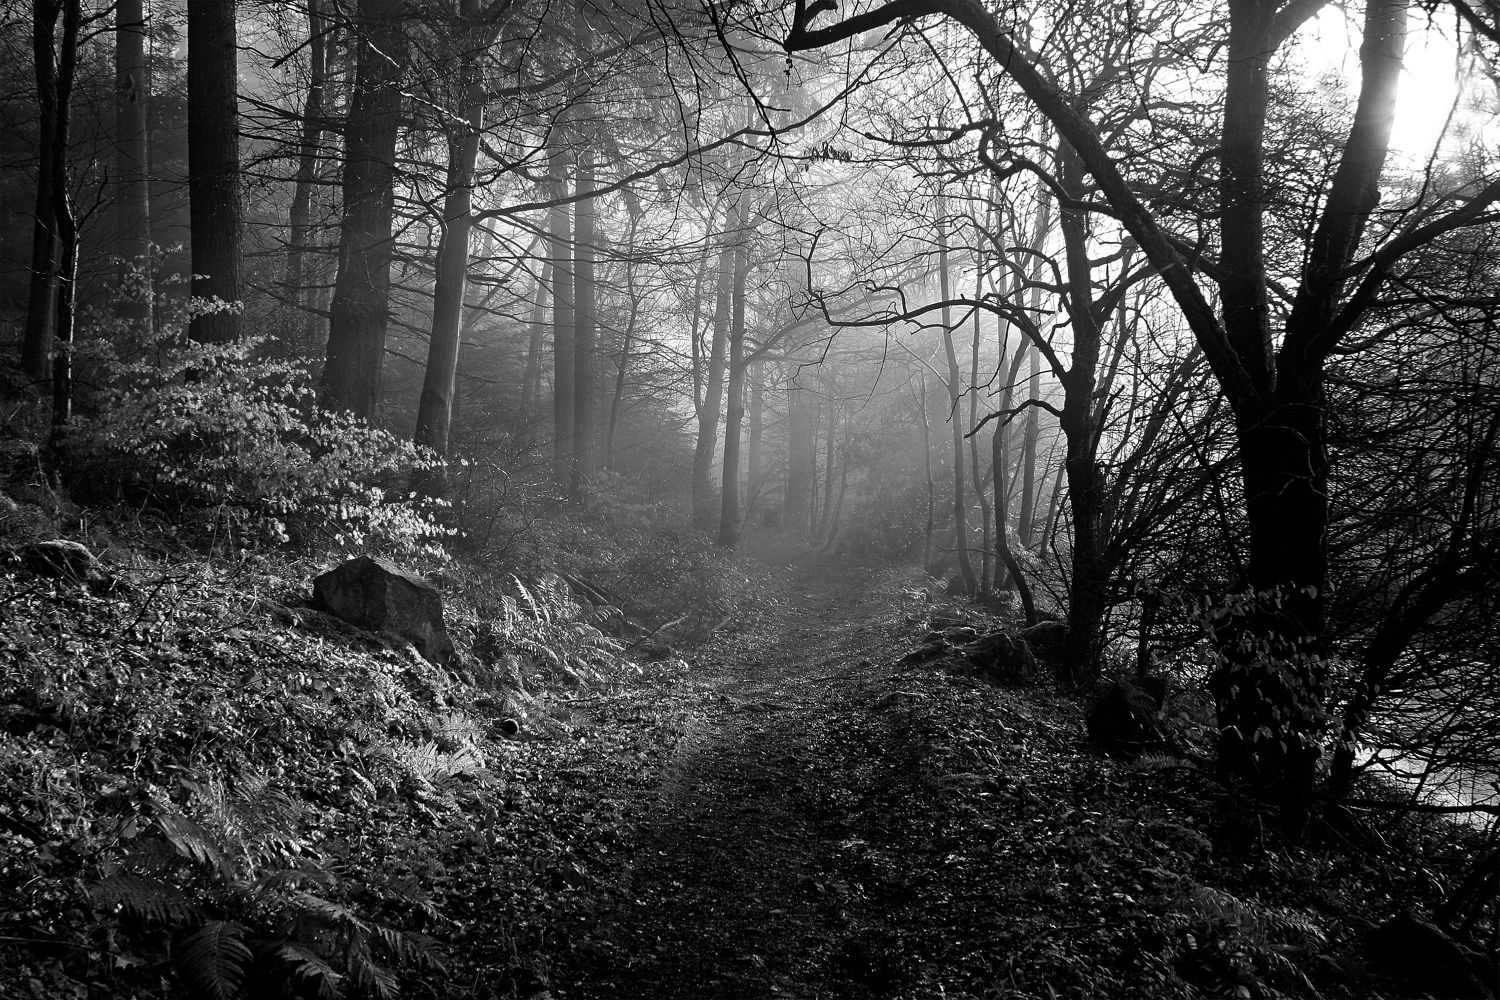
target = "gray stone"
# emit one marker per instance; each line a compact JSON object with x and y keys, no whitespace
{"x":374,"y":594}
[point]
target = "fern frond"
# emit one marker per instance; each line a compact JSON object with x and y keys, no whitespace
{"x":538,"y":611}
{"x":369,"y":976}
{"x":330,"y":912}
{"x":188,"y":837}
{"x":305,"y":875}
{"x":308,"y":966}
{"x":147,"y":898}
{"x":409,"y":948}
{"x":214,"y":958}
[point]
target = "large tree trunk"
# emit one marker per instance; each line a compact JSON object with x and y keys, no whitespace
{"x":734,"y":417}
{"x":41,"y":309}
{"x":64,"y":219}
{"x":361,"y":291}
{"x":585,"y":326}
{"x":299,"y":221}
{"x":214,"y":170}
{"x":560,"y":250}
{"x":713,"y":396}
{"x":132,"y":208}
{"x":435,"y":407}
{"x":1088,"y":588}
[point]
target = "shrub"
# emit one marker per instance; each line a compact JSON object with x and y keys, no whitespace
{"x":224,"y":429}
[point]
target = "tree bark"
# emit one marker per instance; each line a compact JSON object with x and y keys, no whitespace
{"x":755,"y":478}
{"x":132,"y":208}
{"x":1026,"y":515}
{"x":801,"y":455}
{"x":713,"y":395}
{"x":955,"y":398}
{"x":585,"y":326}
{"x":560,"y":249}
{"x":361,"y":293}
{"x":64,"y":219}
{"x":299,"y":221}
{"x":214,"y":171}
{"x":734,"y":417}
{"x":41,"y":310}
{"x":531,"y":378}
{"x":435,"y":407}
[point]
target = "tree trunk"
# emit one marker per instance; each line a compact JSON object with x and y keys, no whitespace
{"x":560,"y":249}
{"x":299,"y":221}
{"x":1088,"y":588}
{"x":65,"y":220}
{"x":627,"y":345}
{"x":713,"y":396}
{"x":531,"y":379}
{"x":132,"y":208}
{"x":825,"y":516}
{"x":361,"y":291}
{"x":585,"y":326}
{"x":734,"y":417}
{"x":214,"y":171}
{"x":435,"y":407}
{"x":801,"y":455}
{"x":955,"y":398}
{"x":755,"y":480}
{"x":41,"y":310}
{"x":1026,"y":516}
{"x":931,"y":523}
{"x":975,"y":474}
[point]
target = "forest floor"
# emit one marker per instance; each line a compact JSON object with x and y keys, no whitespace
{"x":197,"y":768}
{"x":800,"y":815}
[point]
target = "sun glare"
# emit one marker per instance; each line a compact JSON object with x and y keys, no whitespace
{"x":1437,"y":88}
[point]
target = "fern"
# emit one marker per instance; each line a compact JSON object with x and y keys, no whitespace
{"x":146,"y":898}
{"x":369,"y":976}
{"x":214,"y":958}
{"x":308,"y":966}
{"x":194,"y":842}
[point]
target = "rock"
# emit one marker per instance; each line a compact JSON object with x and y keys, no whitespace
{"x":1001,"y":659}
{"x":374,"y":594}
{"x":1427,"y":959}
{"x":1047,"y":639}
{"x":1122,"y":718}
{"x":63,"y":559}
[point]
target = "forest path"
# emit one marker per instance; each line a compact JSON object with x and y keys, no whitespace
{"x":822,"y":822}
{"x":737,"y":879}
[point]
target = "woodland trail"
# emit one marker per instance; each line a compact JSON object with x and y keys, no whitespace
{"x":826,"y":823}
{"x":739,"y":881}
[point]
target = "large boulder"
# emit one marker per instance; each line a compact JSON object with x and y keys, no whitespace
{"x":374,"y":594}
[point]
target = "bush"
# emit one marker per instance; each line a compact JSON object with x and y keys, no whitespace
{"x":223,"y":429}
